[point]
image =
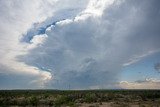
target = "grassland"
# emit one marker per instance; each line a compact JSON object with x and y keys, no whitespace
{"x":83,"y":98}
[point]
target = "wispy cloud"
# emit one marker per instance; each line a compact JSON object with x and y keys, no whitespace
{"x":137,"y":58}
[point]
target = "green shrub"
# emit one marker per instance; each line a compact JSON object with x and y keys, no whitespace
{"x":90,"y":97}
{"x":61,"y":100}
{"x":33,"y":101}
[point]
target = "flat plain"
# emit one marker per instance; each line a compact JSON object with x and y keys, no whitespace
{"x":80,"y":98}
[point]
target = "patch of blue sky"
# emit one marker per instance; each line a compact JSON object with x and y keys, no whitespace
{"x":142,"y":69}
{"x":40,"y":28}
{"x":37,"y":31}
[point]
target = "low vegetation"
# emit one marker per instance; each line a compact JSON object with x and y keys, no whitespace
{"x":90,"y":98}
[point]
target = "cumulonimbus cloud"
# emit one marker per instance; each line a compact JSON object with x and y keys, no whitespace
{"x":86,"y":49}
{"x":17,"y":17}
{"x":91,"y":48}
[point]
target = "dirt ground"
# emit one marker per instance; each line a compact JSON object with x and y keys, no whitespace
{"x":113,"y":104}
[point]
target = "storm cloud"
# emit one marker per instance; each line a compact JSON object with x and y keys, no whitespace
{"x":86,"y":48}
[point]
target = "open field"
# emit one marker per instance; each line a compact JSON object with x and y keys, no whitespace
{"x":84,"y":98}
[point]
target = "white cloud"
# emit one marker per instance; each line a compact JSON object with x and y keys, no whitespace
{"x":37,"y":40}
{"x":148,"y":83}
{"x":93,"y":47}
{"x":15,"y":20}
{"x":97,"y":7}
{"x":85,"y":50}
{"x":17,"y":16}
{"x":137,"y":58}
{"x":94,"y":8}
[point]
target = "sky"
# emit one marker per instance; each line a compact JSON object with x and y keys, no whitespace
{"x":79,"y":44}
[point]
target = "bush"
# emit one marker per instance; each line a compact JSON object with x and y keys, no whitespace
{"x":61,"y":100}
{"x":33,"y":101}
{"x":90,"y":98}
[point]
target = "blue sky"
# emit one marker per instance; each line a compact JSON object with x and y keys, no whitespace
{"x":142,"y":69}
{"x":84,"y":44}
